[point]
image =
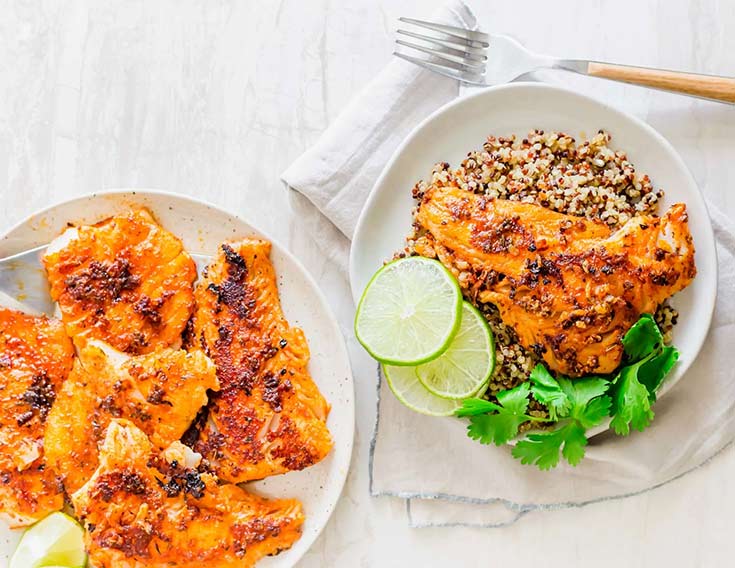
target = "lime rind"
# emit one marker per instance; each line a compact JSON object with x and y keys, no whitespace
{"x":57,"y":540}
{"x":465,"y":367}
{"x":409,"y":312}
{"x":481,"y":391}
{"x":409,"y":391}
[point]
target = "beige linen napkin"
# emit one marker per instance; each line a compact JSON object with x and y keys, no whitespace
{"x":417,"y":457}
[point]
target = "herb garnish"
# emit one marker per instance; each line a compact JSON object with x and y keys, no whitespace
{"x":497,"y":424}
{"x":576,"y":405}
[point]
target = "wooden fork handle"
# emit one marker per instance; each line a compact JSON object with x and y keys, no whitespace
{"x":721,"y":89}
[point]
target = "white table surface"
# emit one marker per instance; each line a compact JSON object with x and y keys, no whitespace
{"x":213,"y":98}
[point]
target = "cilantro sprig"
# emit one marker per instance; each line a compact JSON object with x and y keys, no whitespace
{"x":548,"y":391}
{"x":543,"y":449}
{"x":635,"y":386}
{"x":497,"y":424}
{"x":576,"y":405}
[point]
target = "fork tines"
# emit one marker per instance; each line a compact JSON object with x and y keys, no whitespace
{"x":455,"y":52}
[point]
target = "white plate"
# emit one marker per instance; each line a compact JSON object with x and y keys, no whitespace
{"x":202,"y":227}
{"x":518,"y":108}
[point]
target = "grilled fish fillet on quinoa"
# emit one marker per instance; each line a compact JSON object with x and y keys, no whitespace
{"x":269,"y":417}
{"x":568,"y":286}
{"x":160,"y":392}
{"x":145,"y":509}
{"x":125,"y":281}
{"x":35,"y":358}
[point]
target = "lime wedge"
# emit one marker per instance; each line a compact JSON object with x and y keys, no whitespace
{"x":57,"y":540}
{"x":409,"y":312}
{"x":409,"y":391}
{"x":465,"y":367}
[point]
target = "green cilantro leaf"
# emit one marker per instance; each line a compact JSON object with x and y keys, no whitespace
{"x":515,"y":400}
{"x":653,"y":372}
{"x":580,"y":399}
{"x":494,"y":428}
{"x":587,"y":406}
{"x":589,"y":403}
{"x":475,"y":406}
{"x":634,"y":388}
{"x":575,"y":442}
{"x":642,"y":338}
{"x":581,"y":391}
{"x":631,"y":402}
{"x":501,"y":426}
{"x":542,"y":449}
{"x":595,"y":412}
{"x":546,"y":390}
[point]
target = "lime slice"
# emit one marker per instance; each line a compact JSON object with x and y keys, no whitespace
{"x":463,"y":369}
{"x":408,"y":389}
{"x":57,"y":540}
{"x":409,"y":312}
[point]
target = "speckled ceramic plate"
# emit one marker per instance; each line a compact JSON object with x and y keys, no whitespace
{"x":518,"y":108}
{"x":202,"y":227}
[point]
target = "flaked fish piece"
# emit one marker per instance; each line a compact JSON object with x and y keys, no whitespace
{"x":35,"y":358}
{"x":160,"y":392}
{"x":125,"y":281}
{"x":569,"y":286}
{"x":269,"y":416}
{"x":147,"y":509}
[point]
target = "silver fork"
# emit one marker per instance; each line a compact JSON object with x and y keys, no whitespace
{"x":25,"y":286}
{"x":484,"y":59}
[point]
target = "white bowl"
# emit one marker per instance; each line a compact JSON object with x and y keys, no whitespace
{"x":518,"y":108}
